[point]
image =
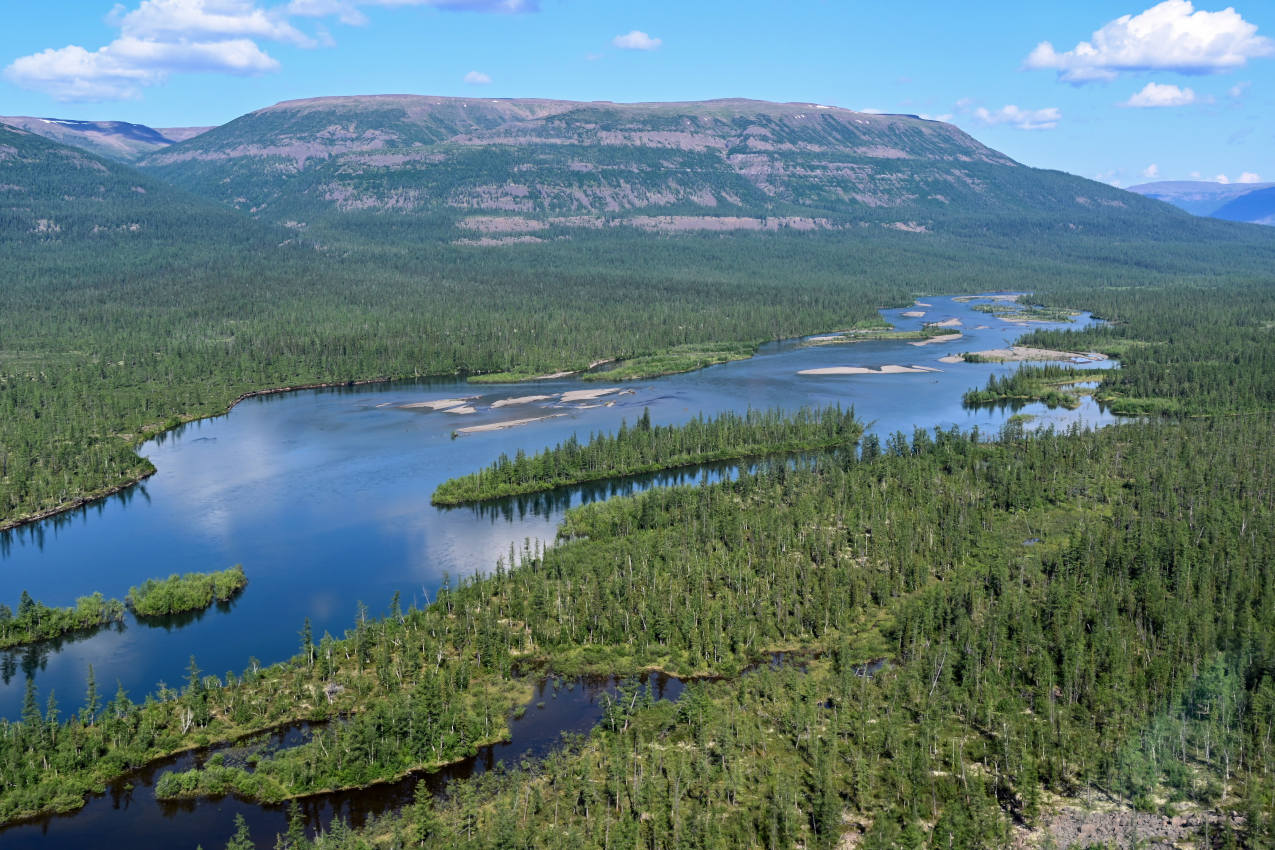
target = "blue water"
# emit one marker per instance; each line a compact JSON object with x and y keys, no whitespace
{"x":323,"y":496}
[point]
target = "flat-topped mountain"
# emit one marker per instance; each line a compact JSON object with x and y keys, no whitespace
{"x":116,"y":140}
{"x":513,"y":169}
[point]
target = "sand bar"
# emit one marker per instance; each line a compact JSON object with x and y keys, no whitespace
{"x":889,"y":369}
{"x":952,"y":358}
{"x":934,"y":339}
{"x":922,"y":304}
{"x":913,"y":314}
{"x":825,"y":337}
{"x":500,"y":426}
{"x":588,"y":395}
{"x":439,"y":404}
{"x":1018,"y":353}
{"x":946,"y":323}
{"x":524,"y":399}
{"x":464,"y":408}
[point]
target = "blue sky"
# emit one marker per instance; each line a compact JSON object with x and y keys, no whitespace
{"x":1123,"y":91}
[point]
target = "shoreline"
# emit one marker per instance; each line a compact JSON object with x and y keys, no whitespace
{"x":114,"y":489}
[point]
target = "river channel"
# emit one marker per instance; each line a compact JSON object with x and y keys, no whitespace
{"x":324,"y":497}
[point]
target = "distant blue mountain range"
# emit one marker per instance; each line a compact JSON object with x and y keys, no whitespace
{"x":1251,"y":202}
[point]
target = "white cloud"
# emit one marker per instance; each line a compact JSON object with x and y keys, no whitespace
{"x":1111,"y":177}
{"x":203,"y":20}
{"x":477,"y":78}
{"x":158,"y":38}
{"x":120,"y":70}
{"x":1171,"y":36}
{"x":636,"y":40}
{"x":1238,"y":89}
{"x":1151,"y":172}
{"x":1155,"y":94}
{"x":1222,"y":178}
{"x":1023,"y":119}
{"x":1250,"y":177}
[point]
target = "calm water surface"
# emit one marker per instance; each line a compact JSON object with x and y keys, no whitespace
{"x":323,"y":496}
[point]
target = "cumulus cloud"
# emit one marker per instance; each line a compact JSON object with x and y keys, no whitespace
{"x":1222,"y":178}
{"x":1170,"y":36}
{"x":203,"y":20}
{"x":1155,"y":94}
{"x":636,"y":40}
{"x":477,"y":78}
{"x":1151,"y":172}
{"x":158,"y":38}
{"x":1022,"y":119}
{"x":1250,"y":177}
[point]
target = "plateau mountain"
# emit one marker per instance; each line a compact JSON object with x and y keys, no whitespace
{"x":498,"y":171}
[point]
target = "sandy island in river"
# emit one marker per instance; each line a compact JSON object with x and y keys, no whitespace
{"x":945,"y":338}
{"x":920,"y":304}
{"x":946,"y":323}
{"x":1022,"y":352}
{"x":500,"y":426}
{"x":913,"y":314}
{"x":440,"y":404}
{"x":464,"y":408}
{"x":952,"y":358}
{"x":588,"y":395}
{"x":889,"y":369}
{"x":526,"y":399}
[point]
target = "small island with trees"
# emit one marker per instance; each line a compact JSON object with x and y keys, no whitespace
{"x":647,"y":448}
{"x":34,"y":621}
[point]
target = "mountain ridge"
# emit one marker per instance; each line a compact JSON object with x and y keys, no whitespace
{"x":1207,"y":198}
{"x":118,"y":140}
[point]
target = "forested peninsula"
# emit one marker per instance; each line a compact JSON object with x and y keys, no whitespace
{"x":646,"y":448}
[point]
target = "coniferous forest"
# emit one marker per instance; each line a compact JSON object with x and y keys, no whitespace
{"x":939,"y":639}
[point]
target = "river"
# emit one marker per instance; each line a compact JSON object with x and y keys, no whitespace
{"x":323,"y":496}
